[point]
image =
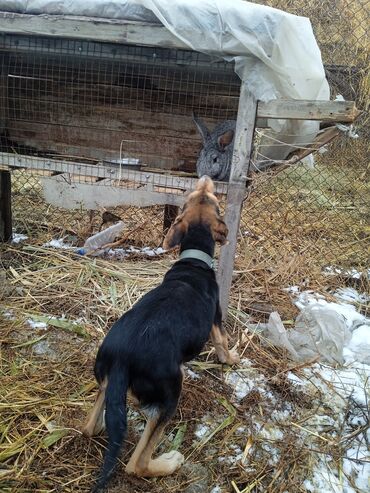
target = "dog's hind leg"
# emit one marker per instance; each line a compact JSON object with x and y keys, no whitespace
{"x":141,"y":462}
{"x":95,"y":421}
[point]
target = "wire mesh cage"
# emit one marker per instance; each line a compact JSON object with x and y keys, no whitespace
{"x":128,"y":107}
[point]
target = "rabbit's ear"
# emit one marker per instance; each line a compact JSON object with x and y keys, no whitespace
{"x":202,"y":129}
{"x":226,"y":139}
{"x":220,"y":232}
{"x":175,"y":233}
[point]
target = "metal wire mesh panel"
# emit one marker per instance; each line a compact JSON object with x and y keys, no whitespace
{"x":320,"y":214}
{"x":95,"y":103}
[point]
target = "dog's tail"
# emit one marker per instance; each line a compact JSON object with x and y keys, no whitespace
{"x":116,"y":423}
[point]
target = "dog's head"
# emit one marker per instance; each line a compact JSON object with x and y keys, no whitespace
{"x":201,"y":207}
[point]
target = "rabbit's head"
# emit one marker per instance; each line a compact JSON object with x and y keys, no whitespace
{"x":215,"y":156}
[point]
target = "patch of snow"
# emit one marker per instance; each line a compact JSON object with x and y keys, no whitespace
{"x":192,"y":374}
{"x":351,"y":381}
{"x":358,"y":348}
{"x":271,"y":432}
{"x":243,"y":384}
{"x":353,"y":273}
{"x":359,"y":471}
{"x":294,"y":379}
{"x":326,"y":480}
{"x":351,"y":295}
{"x":245,"y":363}
{"x":201,"y":431}
{"x":292,"y":289}
{"x":17,"y":237}
{"x":8,"y":314}
{"x":281,"y":416}
{"x":58,"y":244}
{"x":36,"y":325}
{"x":120,"y":253}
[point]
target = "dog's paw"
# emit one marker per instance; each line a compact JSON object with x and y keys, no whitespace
{"x":232,"y":357}
{"x":164,"y":465}
{"x":170,"y":461}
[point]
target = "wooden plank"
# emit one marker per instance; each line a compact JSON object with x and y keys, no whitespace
{"x":61,"y":192}
{"x":336,"y":111}
{"x":170,"y":213}
{"x":94,"y":28}
{"x":179,"y":184}
{"x":107,"y":53}
{"x":42,"y":95}
{"x":5,"y":207}
{"x":156,"y":151}
{"x":236,"y":192}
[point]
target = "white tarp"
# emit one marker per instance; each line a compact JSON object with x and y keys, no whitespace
{"x":275,"y":53}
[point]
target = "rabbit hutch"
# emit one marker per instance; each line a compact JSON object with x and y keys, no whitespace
{"x":98,"y":99}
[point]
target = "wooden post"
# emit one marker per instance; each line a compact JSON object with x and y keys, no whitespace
{"x":5,"y":207}
{"x":247,"y":114}
{"x":170,"y":213}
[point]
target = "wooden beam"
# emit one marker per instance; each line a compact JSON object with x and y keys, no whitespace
{"x":293,"y":109}
{"x":62,"y":191}
{"x":170,"y":213}
{"x":92,"y":28}
{"x":5,"y":207}
{"x":168,"y":182}
{"x":247,"y":115}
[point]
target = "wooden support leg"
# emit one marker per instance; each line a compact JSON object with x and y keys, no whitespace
{"x":247,"y":114}
{"x":5,"y":207}
{"x":170,"y":213}
{"x":234,"y":203}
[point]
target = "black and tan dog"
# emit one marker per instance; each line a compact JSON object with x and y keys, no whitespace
{"x":144,"y":351}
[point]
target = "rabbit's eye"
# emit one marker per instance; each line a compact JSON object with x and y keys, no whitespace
{"x":215,"y":160}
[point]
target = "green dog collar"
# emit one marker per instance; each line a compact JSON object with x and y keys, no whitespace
{"x":199,"y":255}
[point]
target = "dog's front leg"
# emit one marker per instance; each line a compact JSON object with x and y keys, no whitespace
{"x":219,"y":340}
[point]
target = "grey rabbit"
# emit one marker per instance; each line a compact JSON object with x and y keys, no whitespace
{"x":216,"y":154}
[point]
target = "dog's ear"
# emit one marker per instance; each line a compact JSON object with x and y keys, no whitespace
{"x":220,"y":232}
{"x":175,"y":233}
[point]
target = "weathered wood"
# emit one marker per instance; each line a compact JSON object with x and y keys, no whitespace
{"x":95,"y":28}
{"x":74,"y":27}
{"x":236,"y":192}
{"x":5,"y":207}
{"x":60,"y":191}
{"x":323,"y":137}
{"x":171,"y":60}
{"x":3,"y":93}
{"x":337,"y":111}
{"x":156,"y":151}
{"x":178,"y":184}
{"x":170,"y":213}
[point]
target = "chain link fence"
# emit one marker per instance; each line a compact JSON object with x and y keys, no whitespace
{"x":319,"y":213}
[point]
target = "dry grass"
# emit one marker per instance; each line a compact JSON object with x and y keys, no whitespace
{"x":47,"y":384}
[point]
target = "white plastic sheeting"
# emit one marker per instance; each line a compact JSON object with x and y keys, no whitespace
{"x":275,"y":53}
